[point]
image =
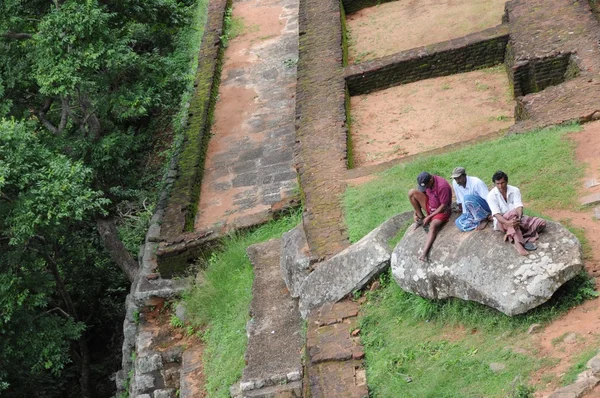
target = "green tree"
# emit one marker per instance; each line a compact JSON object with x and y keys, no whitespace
{"x":42,"y":192}
{"x":93,"y":73}
{"x":82,"y":83}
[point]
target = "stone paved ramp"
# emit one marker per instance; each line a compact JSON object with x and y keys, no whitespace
{"x":335,"y":354}
{"x":249,"y":165}
{"x":274,"y":352}
{"x":544,"y":29}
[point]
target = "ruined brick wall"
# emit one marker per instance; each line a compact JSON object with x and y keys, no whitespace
{"x":355,"y":5}
{"x":535,"y":75}
{"x":475,"y":51}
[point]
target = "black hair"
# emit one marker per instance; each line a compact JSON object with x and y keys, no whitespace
{"x":498,"y":175}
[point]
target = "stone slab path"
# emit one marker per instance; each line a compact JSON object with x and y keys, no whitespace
{"x":275,"y":342}
{"x":249,"y":164}
{"x":335,"y":367}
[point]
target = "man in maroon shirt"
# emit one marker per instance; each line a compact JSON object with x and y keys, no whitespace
{"x":434,"y":195}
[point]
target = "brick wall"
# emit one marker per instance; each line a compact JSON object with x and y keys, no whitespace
{"x":355,"y":5}
{"x":535,"y":75}
{"x":475,"y":51}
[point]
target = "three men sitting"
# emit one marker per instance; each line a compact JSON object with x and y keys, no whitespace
{"x":478,"y":206}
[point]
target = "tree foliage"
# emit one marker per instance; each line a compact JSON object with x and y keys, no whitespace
{"x":82,"y":83}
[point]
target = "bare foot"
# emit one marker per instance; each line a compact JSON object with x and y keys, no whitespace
{"x":482,"y":225}
{"x":423,"y":257}
{"x":520,"y":249}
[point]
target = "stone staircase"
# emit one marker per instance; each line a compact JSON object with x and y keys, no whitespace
{"x":275,"y":341}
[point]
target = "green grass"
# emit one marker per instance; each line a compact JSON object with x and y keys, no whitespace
{"x":540,"y":163}
{"x":219,"y":302}
{"x":571,"y":375}
{"x":408,"y":353}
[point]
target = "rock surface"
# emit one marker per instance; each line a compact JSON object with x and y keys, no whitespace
{"x":352,"y":268}
{"x":480,"y":266}
{"x":295,"y":259}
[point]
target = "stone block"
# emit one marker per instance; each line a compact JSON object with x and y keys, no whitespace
{"x":295,"y":259}
{"x":165,"y":393}
{"x":590,"y":200}
{"x":149,"y":363}
{"x":594,"y":365}
{"x":575,"y":390}
{"x":352,"y":268}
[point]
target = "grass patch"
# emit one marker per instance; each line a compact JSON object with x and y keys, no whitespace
{"x":237,"y":27}
{"x":392,"y":242}
{"x":443,"y":348}
{"x":540,"y":163}
{"x":571,"y":375}
{"x":219,"y":301}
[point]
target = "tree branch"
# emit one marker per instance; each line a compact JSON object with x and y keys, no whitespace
{"x":117,"y":250}
{"x":63,"y":117}
{"x":5,"y":197}
{"x":17,"y":36}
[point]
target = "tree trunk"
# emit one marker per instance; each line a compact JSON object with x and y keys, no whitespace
{"x":84,"y":369}
{"x":118,"y":252}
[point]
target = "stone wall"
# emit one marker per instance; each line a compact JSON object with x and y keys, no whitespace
{"x":355,"y":5}
{"x":475,"y":51}
{"x":143,"y":370}
{"x":180,"y":213}
{"x":187,"y":174}
{"x":321,"y":129}
{"x":535,"y":75}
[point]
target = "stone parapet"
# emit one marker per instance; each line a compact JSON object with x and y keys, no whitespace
{"x":180,"y":212}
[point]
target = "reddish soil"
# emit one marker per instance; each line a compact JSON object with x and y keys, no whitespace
{"x":156,"y":320}
{"x":401,"y":25}
{"x":429,"y":114}
{"x":583,"y":320}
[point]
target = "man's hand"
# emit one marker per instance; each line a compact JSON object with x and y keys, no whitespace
{"x":512,"y":223}
{"x":427,"y":220}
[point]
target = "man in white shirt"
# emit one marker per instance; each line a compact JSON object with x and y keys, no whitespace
{"x":507,"y":209}
{"x":471,"y":194}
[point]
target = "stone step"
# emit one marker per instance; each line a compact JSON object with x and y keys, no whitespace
{"x":590,"y":200}
{"x":192,"y":381}
{"x":335,"y":354}
{"x":275,"y":342}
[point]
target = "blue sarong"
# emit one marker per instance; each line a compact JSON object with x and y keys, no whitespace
{"x":477,"y":211}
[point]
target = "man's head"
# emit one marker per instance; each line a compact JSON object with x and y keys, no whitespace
{"x":424,"y":181}
{"x":460,"y":176}
{"x":500,"y":180}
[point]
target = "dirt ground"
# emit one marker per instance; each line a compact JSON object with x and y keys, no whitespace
{"x":429,"y":114}
{"x":583,"y":320}
{"x":401,"y":25}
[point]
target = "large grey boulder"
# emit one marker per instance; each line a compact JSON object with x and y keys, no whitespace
{"x":352,"y":268}
{"x":480,"y":266}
